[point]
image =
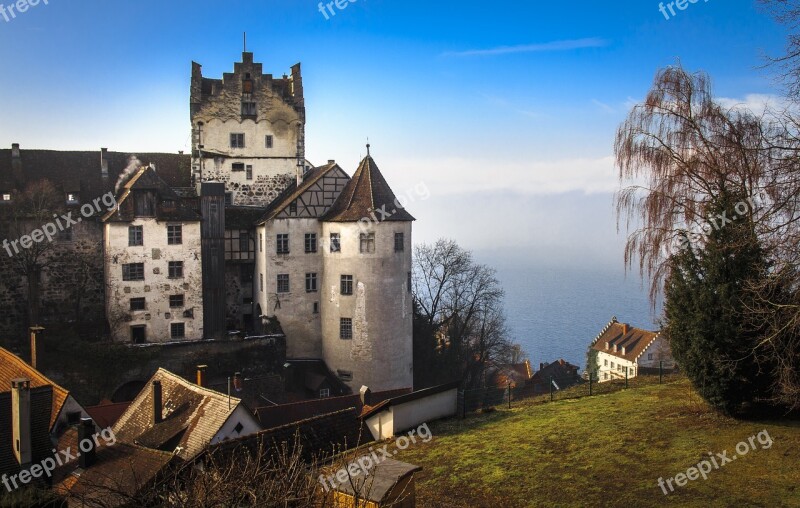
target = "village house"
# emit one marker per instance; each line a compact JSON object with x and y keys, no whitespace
{"x":622,"y":350}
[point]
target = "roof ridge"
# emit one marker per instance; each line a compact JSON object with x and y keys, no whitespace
{"x":197,"y":388}
{"x":28,"y":367}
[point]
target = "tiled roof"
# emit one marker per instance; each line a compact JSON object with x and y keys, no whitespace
{"x":283,"y":414}
{"x":13,"y":367}
{"x":80,"y":171}
{"x":634,"y":340}
{"x":409,"y":397}
{"x":41,"y":402}
{"x":192,"y":416}
{"x":147,"y":178}
{"x":320,"y":436}
{"x":106,"y":415}
{"x":366,"y":193}
{"x":120,"y":471}
{"x":561,"y":372}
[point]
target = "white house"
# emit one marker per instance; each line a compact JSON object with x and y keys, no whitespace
{"x":621,"y":348}
{"x":392,"y":416}
{"x":153,"y":264}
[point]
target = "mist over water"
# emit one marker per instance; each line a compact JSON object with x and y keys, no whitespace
{"x":555,"y":311}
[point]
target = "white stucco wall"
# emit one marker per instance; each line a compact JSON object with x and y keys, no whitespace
{"x":240,"y":415}
{"x":402,"y":417}
{"x":157,"y":286}
{"x":380,"y":353}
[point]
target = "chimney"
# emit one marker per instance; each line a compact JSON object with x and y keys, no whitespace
{"x":366,"y":396}
{"x":86,"y":435}
{"x":201,"y":375}
{"x":541,"y":366}
{"x":331,"y":161}
{"x":237,"y":382}
{"x":34,"y":331}
{"x":625,"y":328}
{"x":158,"y":415}
{"x":21,"y":419}
{"x":16,"y":163}
{"x":14,"y":151}
{"x":561,"y":361}
{"x":104,"y":162}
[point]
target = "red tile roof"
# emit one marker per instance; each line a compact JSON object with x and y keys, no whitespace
{"x":106,"y":415}
{"x":630,"y":341}
{"x":13,"y":367}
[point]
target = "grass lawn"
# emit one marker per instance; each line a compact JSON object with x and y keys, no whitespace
{"x":605,"y":450}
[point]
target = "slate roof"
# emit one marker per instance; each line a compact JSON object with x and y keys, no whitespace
{"x":283,"y":414}
{"x":635,"y":341}
{"x":192,"y":416}
{"x":379,"y":481}
{"x":366,"y":192}
{"x":13,"y":367}
{"x":80,"y":171}
{"x":148,"y":179}
{"x":41,"y":402}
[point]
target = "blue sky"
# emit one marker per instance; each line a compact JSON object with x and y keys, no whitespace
{"x":506,"y":110}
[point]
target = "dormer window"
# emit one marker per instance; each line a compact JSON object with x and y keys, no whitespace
{"x":606,"y":345}
{"x":623,"y":350}
{"x":615,"y":348}
{"x":72,"y":199}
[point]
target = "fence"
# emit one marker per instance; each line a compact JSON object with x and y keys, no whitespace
{"x":555,"y":388}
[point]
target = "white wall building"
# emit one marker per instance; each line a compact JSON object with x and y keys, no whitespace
{"x":153,"y":264}
{"x":621,"y":348}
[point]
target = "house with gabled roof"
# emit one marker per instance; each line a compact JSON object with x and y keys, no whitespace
{"x":621,"y":349}
{"x":173,"y":415}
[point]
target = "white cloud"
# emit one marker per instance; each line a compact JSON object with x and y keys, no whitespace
{"x":565,"y":45}
{"x":456,"y":175}
{"x":756,"y":103}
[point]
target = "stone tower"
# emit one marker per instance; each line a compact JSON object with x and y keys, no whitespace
{"x":248,"y":131}
{"x":366,"y":294}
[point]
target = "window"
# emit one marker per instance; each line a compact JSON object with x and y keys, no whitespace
{"x":229,"y":198}
{"x":261,"y":242}
{"x":139,"y":334}
{"x":612,"y":365}
{"x":283,"y":244}
{"x":237,"y":140}
{"x":168,"y":204}
{"x":72,"y":199}
{"x":261,"y":282}
{"x":346,"y":286}
{"x":176,"y":269}
{"x":336,"y":242}
{"x":239,"y":427}
{"x":345,"y":375}
{"x":311,"y":282}
{"x":174,"y":235}
{"x":283,"y":283}
{"x":367,"y":243}
{"x":315,"y":308}
{"x":244,"y":241}
{"x":246,"y":273}
{"x":135,"y":236}
{"x":177,"y":330}
{"x":175,"y":301}
{"x":408,"y":281}
{"x":138,"y":304}
{"x":249,"y":172}
{"x":605,"y":375}
{"x":268,"y":142}
{"x":311,"y":243}
{"x":345,"y":328}
{"x":324,"y":393}
{"x":649,"y":356}
{"x":237,"y":166}
{"x":64,"y":236}
{"x":133,"y":272}
{"x":399,"y":242}
{"x":605,"y":363}
{"x":249,"y":109}
{"x":6,"y":197}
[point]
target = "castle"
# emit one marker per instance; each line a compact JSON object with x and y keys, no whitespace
{"x":242,"y":233}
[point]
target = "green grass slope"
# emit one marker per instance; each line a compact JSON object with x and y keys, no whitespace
{"x":606,"y":450}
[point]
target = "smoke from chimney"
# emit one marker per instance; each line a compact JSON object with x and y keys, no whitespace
{"x":134,"y":164}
